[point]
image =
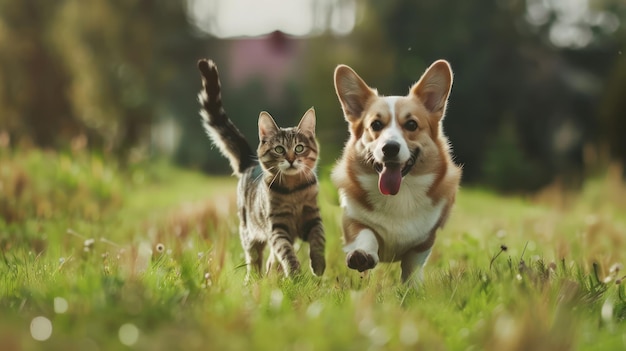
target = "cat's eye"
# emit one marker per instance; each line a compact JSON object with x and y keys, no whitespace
{"x":376,"y":125}
{"x":279,"y":149}
{"x":299,"y":148}
{"x":410,"y":125}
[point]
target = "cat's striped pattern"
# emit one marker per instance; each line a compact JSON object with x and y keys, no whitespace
{"x":277,"y":189}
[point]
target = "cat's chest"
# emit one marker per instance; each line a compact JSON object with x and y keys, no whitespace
{"x":264,"y":204}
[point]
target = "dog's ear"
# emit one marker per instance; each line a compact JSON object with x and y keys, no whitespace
{"x":352,"y":91}
{"x":434,"y":87}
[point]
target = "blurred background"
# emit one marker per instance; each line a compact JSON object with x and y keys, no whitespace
{"x":539,"y":94}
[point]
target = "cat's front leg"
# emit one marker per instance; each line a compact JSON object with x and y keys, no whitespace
{"x":282,"y":247}
{"x":317,"y":246}
{"x":272,"y":265}
{"x":253,"y":251}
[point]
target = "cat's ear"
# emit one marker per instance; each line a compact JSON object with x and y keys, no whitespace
{"x":352,"y":91}
{"x":307,"y":123}
{"x":267,"y":126}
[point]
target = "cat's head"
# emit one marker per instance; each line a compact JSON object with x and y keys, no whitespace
{"x":288,"y":151}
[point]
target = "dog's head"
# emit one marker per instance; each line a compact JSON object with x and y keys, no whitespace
{"x":396,"y":135}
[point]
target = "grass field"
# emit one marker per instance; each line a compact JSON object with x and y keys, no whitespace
{"x":94,"y":258}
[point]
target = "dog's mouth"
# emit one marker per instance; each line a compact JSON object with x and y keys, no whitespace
{"x":390,"y":174}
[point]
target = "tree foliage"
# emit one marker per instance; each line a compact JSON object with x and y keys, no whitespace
{"x":527,"y":99}
{"x":96,"y":68}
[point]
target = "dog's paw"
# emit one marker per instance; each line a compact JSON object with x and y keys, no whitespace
{"x":360,"y":260}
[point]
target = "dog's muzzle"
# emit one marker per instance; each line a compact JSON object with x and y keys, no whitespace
{"x":406,"y":168}
{"x":390,"y":173}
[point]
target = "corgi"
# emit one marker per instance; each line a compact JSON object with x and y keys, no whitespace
{"x":396,"y":178}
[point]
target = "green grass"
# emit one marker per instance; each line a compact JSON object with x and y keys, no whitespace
{"x":149,"y":259}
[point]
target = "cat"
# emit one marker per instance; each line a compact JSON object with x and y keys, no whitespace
{"x":277,"y":188}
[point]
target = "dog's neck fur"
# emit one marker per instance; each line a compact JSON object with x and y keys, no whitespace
{"x":391,"y":215}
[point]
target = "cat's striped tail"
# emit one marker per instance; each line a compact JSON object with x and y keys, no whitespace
{"x":218,"y":126}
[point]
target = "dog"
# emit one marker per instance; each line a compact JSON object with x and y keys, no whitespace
{"x":396,"y":178}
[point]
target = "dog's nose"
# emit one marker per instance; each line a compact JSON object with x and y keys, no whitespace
{"x":391,"y":149}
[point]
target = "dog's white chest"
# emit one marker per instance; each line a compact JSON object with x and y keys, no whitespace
{"x":401,"y":221}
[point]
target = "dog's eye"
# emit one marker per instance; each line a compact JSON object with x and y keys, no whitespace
{"x":299,"y":148}
{"x":376,"y":125}
{"x":279,"y":150}
{"x":410,"y":125}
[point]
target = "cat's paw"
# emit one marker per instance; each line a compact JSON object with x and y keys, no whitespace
{"x":318,"y":266}
{"x":292,"y":269}
{"x":360,"y":260}
{"x":250,"y":279}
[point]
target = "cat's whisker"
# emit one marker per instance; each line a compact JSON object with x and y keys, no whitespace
{"x":280,"y":173}
{"x":258,"y":177}
{"x":309,"y":173}
{"x":274,"y":179}
{"x":270,"y":170}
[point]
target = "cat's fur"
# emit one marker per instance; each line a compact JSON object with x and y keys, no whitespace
{"x":277,"y":189}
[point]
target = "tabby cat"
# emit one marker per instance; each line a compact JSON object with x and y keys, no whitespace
{"x":277,"y":189}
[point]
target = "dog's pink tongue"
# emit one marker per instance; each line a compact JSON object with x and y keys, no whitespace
{"x":390,"y":179}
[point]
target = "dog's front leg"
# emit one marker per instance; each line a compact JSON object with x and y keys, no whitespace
{"x":362,"y":252}
{"x":412,"y":264}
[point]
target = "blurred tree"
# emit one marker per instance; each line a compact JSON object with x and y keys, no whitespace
{"x":511,"y":76}
{"x":573,"y":77}
{"x":613,"y":112}
{"x":526,"y":94}
{"x":246,"y":91}
{"x":482,"y":41}
{"x":99,"y":68}
{"x":367,"y":51}
{"x":612,"y":108}
{"x":120,"y":55}
{"x":33,"y":82}
{"x":534,"y":80}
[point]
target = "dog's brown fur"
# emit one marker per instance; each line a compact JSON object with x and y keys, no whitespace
{"x":400,"y":226}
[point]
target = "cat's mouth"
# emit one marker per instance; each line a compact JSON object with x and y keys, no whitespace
{"x":390,"y":174}
{"x":291,"y":170}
